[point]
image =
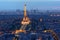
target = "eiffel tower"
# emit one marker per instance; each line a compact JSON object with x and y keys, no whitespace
{"x":24,"y":22}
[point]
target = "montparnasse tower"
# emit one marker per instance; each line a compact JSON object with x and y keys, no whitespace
{"x":25,"y":20}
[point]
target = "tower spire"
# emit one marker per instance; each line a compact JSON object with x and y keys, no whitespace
{"x":25,"y":11}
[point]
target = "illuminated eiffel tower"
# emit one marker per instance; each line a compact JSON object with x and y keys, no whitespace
{"x":24,"y":22}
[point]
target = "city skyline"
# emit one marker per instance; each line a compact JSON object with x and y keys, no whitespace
{"x":19,"y":4}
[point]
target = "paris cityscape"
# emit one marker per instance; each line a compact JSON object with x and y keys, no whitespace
{"x":31,"y":24}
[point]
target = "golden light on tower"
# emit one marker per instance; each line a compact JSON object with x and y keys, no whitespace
{"x":25,"y":10}
{"x":18,"y":31}
{"x":25,"y":20}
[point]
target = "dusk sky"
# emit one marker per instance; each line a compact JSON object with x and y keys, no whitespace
{"x":31,"y":4}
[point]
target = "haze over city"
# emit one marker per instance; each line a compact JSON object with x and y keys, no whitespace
{"x":31,"y":4}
